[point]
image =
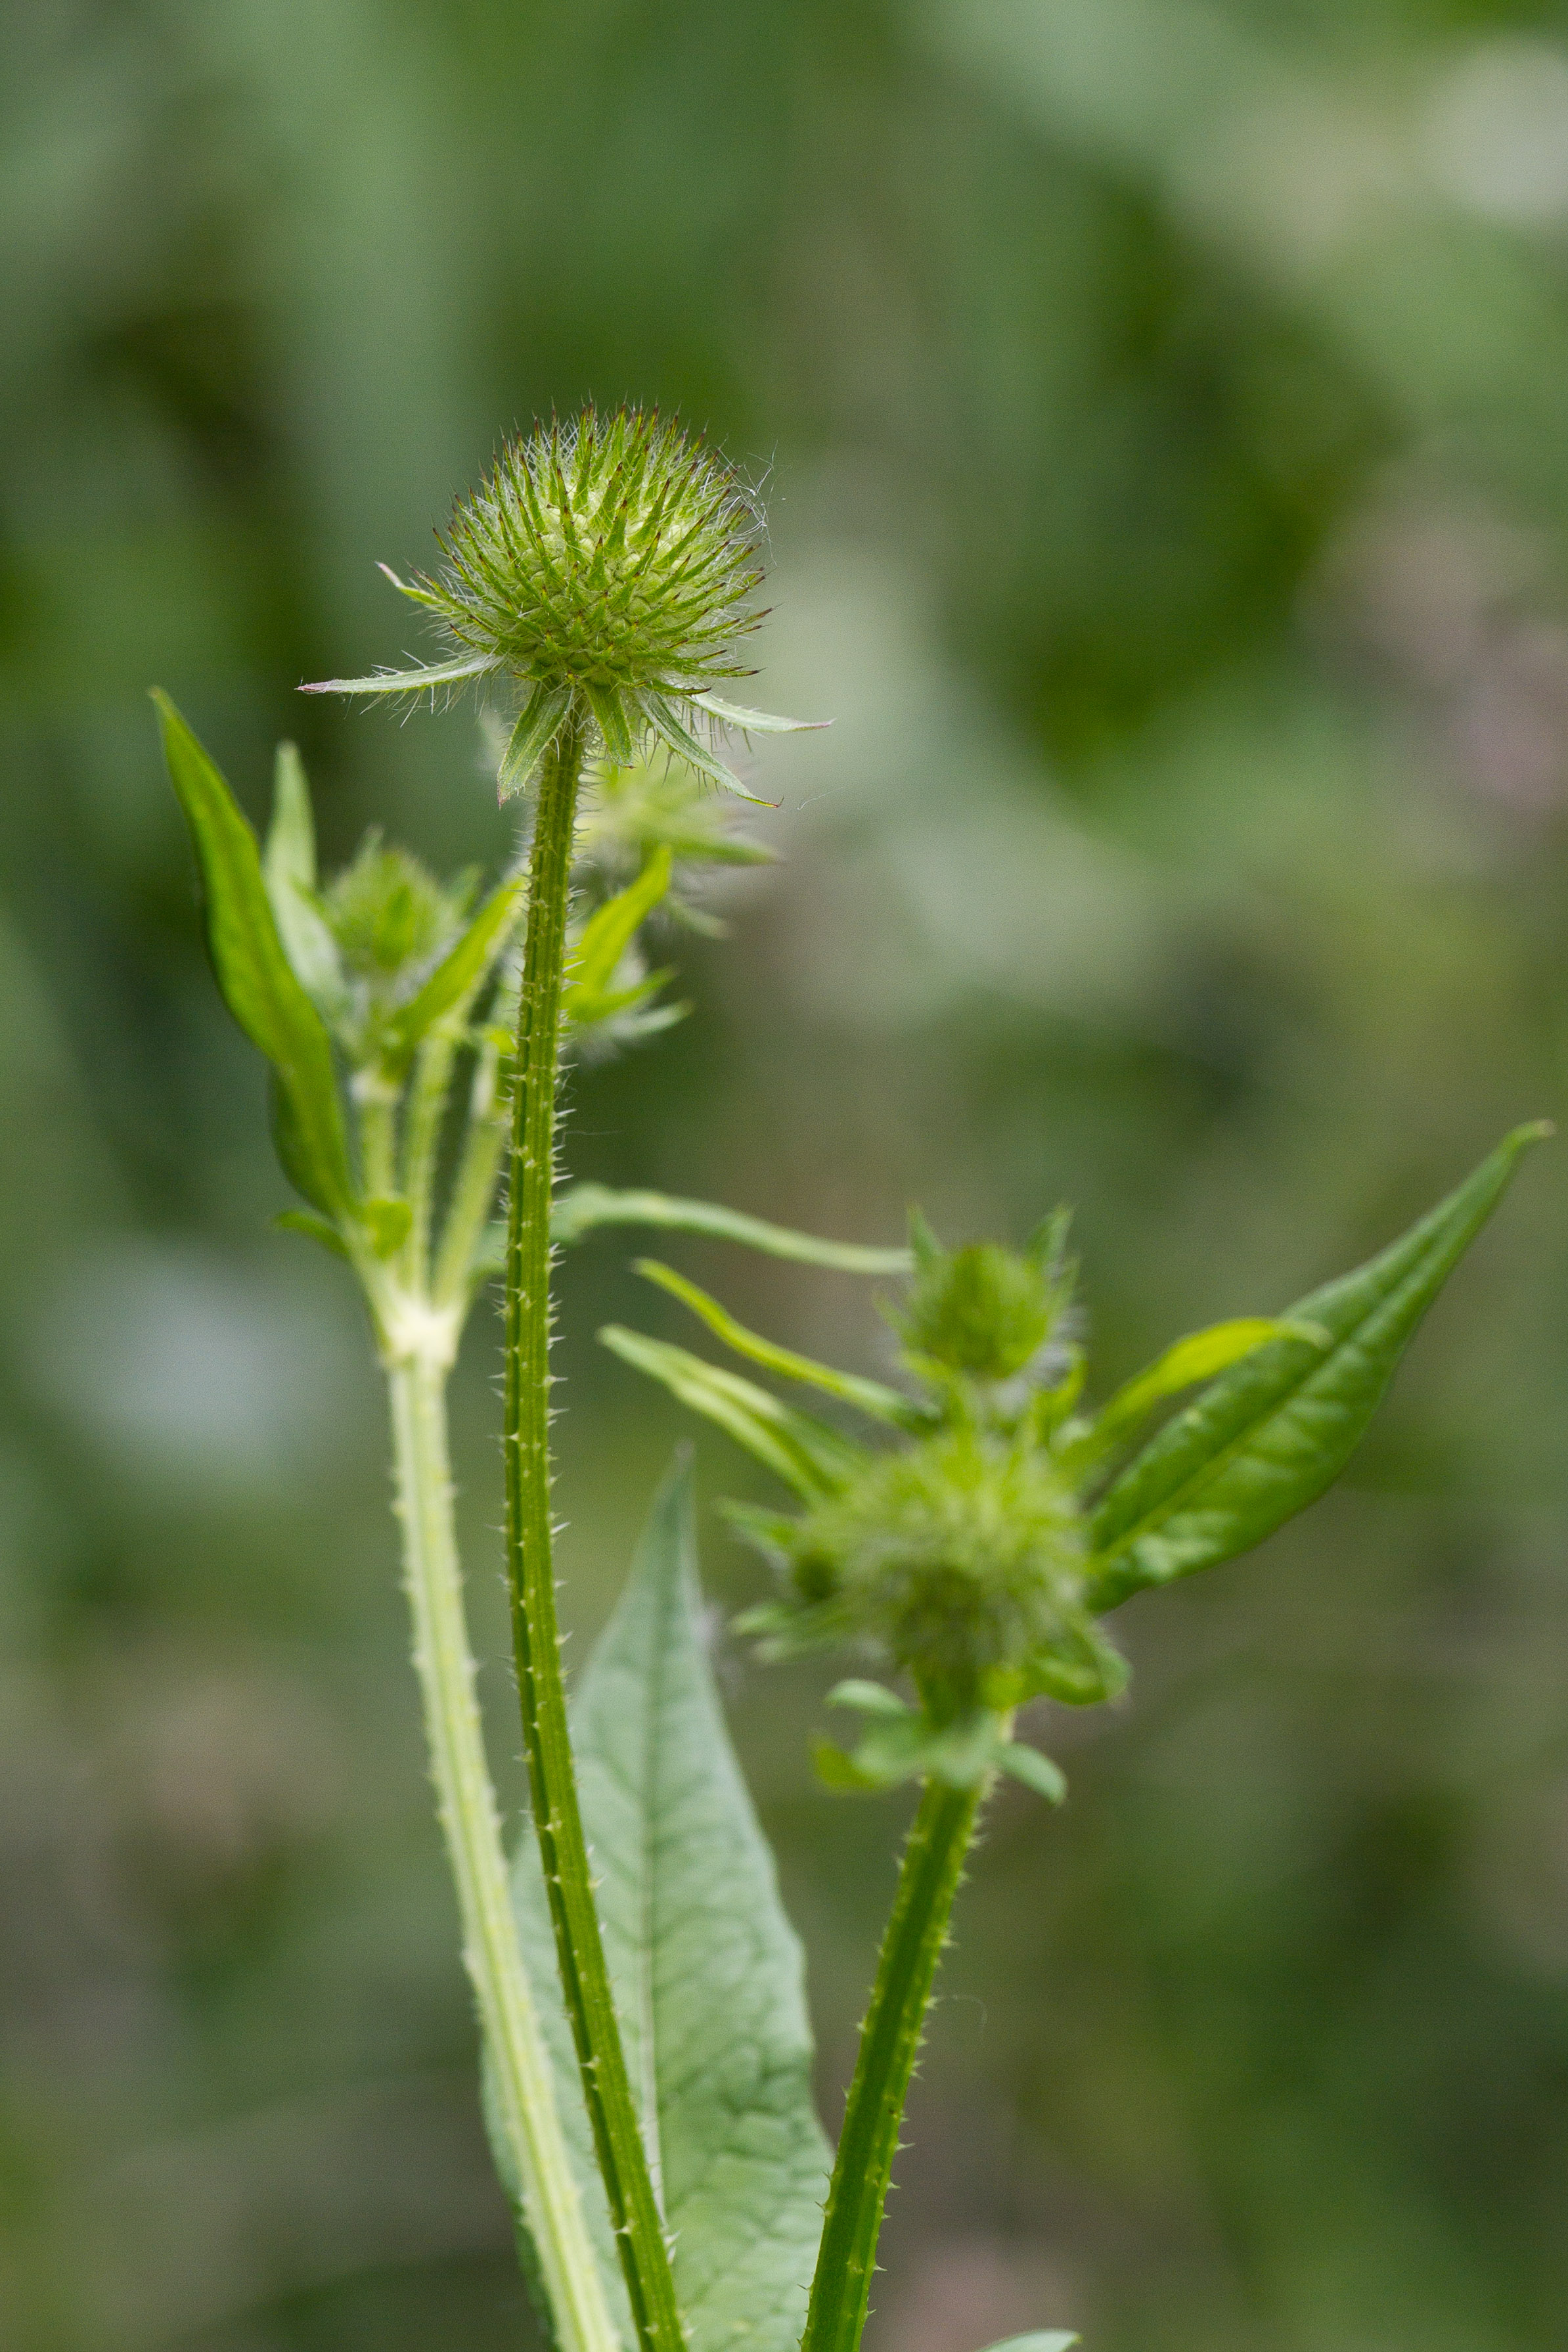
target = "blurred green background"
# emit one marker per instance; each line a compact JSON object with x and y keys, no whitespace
{"x":1165,"y":411}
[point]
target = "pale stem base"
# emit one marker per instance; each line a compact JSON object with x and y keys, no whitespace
{"x":524,"y":2086}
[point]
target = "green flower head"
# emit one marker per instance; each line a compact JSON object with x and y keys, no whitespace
{"x":604,"y":572}
{"x":960,"y":1559}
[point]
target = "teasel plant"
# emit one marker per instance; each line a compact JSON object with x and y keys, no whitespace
{"x":959,"y":1532}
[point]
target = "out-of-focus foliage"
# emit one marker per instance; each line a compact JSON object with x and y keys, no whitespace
{"x":1166,"y":416}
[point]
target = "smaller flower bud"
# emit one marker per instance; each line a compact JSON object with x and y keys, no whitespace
{"x":388,"y":913}
{"x":988,"y":1313}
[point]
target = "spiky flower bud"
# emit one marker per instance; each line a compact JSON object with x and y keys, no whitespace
{"x":602,"y":570}
{"x":960,"y":1560}
{"x":364,"y":944}
{"x":389,"y":914}
{"x":985,"y":1312}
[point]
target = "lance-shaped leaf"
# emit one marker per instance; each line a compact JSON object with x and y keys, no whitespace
{"x":807,"y":1455}
{"x":706,"y":1970}
{"x":606,"y":936}
{"x":581,"y":1207}
{"x":1185,"y":1364}
{"x":456,"y":977}
{"x":1269,"y":1435}
{"x":871,"y":1397}
{"x":259,"y":985}
{"x":289,"y":870}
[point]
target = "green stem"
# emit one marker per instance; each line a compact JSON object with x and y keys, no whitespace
{"x":928,"y":1879}
{"x":377,"y":1104}
{"x":585,"y":1979}
{"x":523,"y":2090}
